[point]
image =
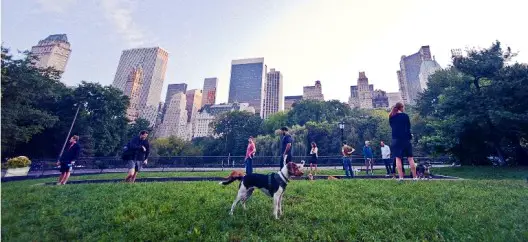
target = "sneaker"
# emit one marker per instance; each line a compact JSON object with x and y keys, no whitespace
{"x":400,"y":179}
{"x":387,"y":175}
{"x":415,"y":179}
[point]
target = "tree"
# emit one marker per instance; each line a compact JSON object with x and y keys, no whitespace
{"x":477,"y":108}
{"x":235,"y":128}
{"x":139,"y":125}
{"x":274,"y":122}
{"x":29,"y":96}
{"x":317,"y":111}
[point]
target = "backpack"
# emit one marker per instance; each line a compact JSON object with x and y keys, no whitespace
{"x":127,"y":153}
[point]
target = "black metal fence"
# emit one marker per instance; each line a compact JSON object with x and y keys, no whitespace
{"x":211,"y":162}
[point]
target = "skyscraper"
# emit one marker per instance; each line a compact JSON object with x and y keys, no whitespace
{"x":147,"y":66}
{"x":248,"y":82}
{"x":209,"y":91}
{"x":173,"y":89}
{"x":380,"y":99}
{"x":273,"y":101}
{"x":194,"y":103}
{"x":413,"y":74}
{"x":133,"y":89}
{"x":394,"y":97}
{"x":313,"y":92}
{"x":53,"y":51}
{"x":361,"y":95}
{"x":175,"y":121}
{"x":208,"y":113}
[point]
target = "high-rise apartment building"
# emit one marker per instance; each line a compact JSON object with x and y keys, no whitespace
{"x":290,"y":100}
{"x":394,"y":97}
{"x":361,"y":95}
{"x":209,"y":91}
{"x":208,"y":113}
{"x":273,"y":101}
{"x":53,"y":51}
{"x":248,"y":82}
{"x":175,"y":121}
{"x":380,"y":99}
{"x":414,"y":72}
{"x":133,"y":89}
{"x":153,"y":63}
{"x":194,"y":103}
{"x":313,"y":92}
{"x":171,"y":90}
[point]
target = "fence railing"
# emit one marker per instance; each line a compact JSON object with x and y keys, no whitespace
{"x":211,"y":162}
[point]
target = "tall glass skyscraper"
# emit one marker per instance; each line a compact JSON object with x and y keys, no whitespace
{"x":248,"y":82}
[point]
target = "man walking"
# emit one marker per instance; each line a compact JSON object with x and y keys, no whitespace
{"x":68,"y":158}
{"x":347,"y":163}
{"x":286,"y":150}
{"x":250,"y":153}
{"x":137,"y":152}
{"x":385,"y":156}
{"x":369,"y":157}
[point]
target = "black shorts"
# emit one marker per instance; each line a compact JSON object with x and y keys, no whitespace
{"x":313,"y":160}
{"x":65,"y":167}
{"x":401,"y":148}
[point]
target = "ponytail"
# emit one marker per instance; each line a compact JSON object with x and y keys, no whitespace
{"x":395,"y":109}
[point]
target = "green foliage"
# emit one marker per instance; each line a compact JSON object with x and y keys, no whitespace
{"x":317,"y":111}
{"x":18,"y":162}
{"x":477,"y":108}
{"x":173,"y":146}
{"x":235,"y":128}
{"x":28,"y":95}
{"x":274,"y":122}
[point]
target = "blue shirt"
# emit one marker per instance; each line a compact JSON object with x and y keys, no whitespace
{"x":285,"y":140}
{"x":367,"y":152}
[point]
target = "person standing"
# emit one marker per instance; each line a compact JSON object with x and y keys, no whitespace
{"x":250,"y":153}
{"x":369,"y":157}
{"x":347,"y":162}
{"x":313,"y":159}
{"x":286,"y":150}
{"x":138,"y":150}
{"x":401,"y":139}
{"x":385,"y":156}
{"x":68,"y":158}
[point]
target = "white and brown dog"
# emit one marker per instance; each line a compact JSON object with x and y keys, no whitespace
{"x":273,"y":185}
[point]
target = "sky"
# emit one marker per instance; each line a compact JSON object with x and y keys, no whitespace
{"x":307,"y":40}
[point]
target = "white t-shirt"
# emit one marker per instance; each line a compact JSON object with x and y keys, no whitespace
{"x":385,"y":152}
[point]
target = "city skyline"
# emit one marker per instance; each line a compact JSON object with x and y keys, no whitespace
{"x":327,"y":31}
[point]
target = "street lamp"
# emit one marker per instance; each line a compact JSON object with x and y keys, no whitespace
{"x":342,"y":127}
{"x":71,"y":127}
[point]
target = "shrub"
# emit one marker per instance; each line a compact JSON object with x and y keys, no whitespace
{"x":18,"y":162}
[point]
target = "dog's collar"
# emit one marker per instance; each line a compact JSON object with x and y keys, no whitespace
{"x":283,"y":177}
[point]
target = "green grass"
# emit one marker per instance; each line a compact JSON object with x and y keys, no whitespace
{"x":321,"y":210}
{"x":493,"y":173}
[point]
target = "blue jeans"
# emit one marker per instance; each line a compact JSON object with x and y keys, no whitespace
{"x":249,"y":165}
{"x":347,"y":166}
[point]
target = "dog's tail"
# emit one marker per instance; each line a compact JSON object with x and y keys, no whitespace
{"x":231,"y":179}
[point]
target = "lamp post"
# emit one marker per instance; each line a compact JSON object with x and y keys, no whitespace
{"x":71,"y":127}
{"x":342,"y":127}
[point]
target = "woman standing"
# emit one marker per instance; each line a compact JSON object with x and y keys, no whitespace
{"x":401,"y":138}
{"x":314,"y":156}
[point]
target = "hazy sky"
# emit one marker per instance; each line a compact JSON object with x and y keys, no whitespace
{"x":307,"y":40}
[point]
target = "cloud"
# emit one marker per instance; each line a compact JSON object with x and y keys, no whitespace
{"x":55,"y":6}
{"x":120,"y":13}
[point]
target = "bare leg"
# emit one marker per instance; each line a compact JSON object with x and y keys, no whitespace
{"x":413,"y":166}
{"x":133,"y":179}
{"x":66,"y":177}
{"x":130,"y":175}
{"x":61,"y":177}
{"x":399,"y":167}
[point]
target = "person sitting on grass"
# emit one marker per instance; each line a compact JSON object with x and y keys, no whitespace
{"x":67,"y":159}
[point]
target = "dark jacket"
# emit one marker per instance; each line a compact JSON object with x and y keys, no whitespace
{"x":135,"y":149}
{"x":401,"y":126}
{"x":71,"y":153}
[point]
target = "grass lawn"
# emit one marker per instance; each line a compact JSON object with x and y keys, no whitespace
{"x":489,"y":207}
